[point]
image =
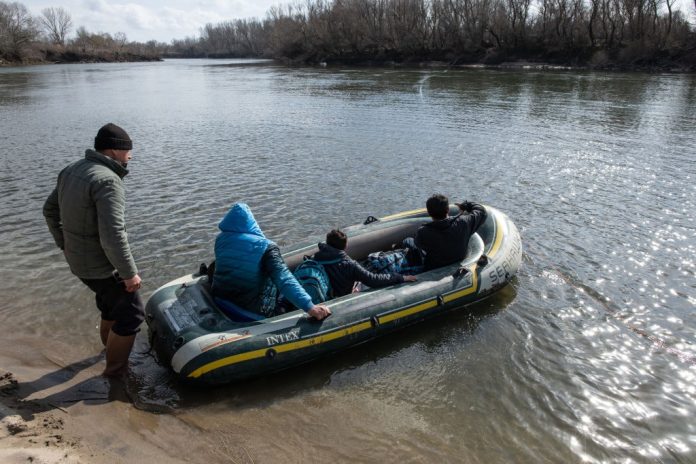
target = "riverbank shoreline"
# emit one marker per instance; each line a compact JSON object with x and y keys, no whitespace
{"x":29,"y":435}
{"x":515,"y":65}
{"x":522,"y":66}
{"x":518,"y":65}
{"x":45,"y":57}
{"x":55,"y":407}
{"x":12,"y":64}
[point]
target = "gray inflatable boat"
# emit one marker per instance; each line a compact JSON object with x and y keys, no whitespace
{"x":204,"y":344}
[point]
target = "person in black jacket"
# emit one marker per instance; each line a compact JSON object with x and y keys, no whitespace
{"x":445,"y":240}
{"x":344,"y":273}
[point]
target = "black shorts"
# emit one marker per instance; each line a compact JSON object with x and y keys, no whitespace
{"x":116,"y":304}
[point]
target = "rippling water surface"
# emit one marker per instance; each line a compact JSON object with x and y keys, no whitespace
{"x":590,"y":356}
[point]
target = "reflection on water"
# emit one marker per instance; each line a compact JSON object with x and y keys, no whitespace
{"x":590,"y":357}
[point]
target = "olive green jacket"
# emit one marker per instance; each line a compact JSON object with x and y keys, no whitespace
{"x":86,"y":216}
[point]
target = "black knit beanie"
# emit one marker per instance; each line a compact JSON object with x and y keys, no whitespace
{"x":112,"y":136}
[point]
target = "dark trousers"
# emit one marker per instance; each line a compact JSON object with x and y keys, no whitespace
{"x":116,"y":304}
{"x":414,"y":255}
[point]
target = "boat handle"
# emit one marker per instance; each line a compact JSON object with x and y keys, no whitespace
{"x":461,"y":272}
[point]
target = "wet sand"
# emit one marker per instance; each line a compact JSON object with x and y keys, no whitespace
{"x":28,"y":433}
{"x":55,"y":407}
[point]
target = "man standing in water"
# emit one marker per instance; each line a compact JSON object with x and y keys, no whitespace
{"x":86,"y":216}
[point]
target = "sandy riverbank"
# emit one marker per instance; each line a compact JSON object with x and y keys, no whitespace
{"x":28,"y":434}
{"x":55,"y":407}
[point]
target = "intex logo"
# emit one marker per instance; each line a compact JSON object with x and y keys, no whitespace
{"x":283,"y":338}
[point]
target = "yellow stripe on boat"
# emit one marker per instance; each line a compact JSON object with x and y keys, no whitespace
{"x":467,"y":291}
{"x":498,"y":237}
{"x":404,"y":214}
{"x":407,"y":312}
{"x":318,"y":340}
{"x":330,"y":336}
{"x":227,"y":361}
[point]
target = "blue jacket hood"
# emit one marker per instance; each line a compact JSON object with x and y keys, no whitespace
{"x":240,"y":220}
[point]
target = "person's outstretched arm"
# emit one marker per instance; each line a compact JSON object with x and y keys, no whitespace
{"x":374,"y":280}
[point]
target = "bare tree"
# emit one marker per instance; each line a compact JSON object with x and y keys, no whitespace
{"x":670,"y":5}
{"x":120,"y":40}
{"x":56,"y":23}
{"x":82,"y":38}
{"x":17,"y":29}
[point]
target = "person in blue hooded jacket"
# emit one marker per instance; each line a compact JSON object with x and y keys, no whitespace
{"x":245,"y":262}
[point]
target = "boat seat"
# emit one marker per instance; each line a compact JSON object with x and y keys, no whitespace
{"x":474,"y":251}
{"x":236,"y":313}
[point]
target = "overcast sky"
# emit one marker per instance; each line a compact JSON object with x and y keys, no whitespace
{"x":164,"y":20}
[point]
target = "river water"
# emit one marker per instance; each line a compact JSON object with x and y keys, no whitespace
{"x":589,"y":356}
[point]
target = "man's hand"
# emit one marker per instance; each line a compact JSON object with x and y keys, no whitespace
{"x":465,"y":206}
{"x":319,"y":312}
{"x":410,"y":278}
{"x":132,"y":284}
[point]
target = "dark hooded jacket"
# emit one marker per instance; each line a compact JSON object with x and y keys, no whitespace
{"x":347,"y":271}
{"x":447,"y":240}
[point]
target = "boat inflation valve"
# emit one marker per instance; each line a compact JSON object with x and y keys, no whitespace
{"x":271,"y":353}
{"x":440,"y":300}
{"x":370,"y":220}
{"x":461,"y":272}
{"x":374,"y":320}
{"x":482,"y":261}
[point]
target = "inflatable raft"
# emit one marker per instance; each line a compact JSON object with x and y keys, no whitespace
{"x":203,"y":344}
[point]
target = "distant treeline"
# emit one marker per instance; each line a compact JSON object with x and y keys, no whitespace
{"x":598,"y":33}
{"x":625,"y":34}
{"x":28,"y":39}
